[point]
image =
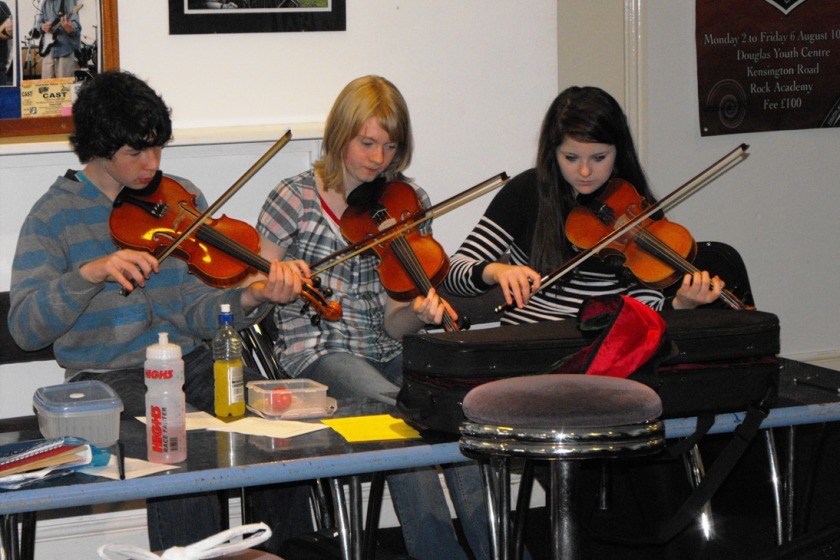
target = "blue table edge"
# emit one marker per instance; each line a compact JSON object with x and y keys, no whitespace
{"x":223,"y":478}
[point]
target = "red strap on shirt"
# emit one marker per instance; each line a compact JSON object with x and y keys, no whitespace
{"x":326,"y":208}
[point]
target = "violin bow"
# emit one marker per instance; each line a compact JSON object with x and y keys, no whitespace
{"x":671,"y":200}
{"x":402,"y":227}
{"x":233,"y":189}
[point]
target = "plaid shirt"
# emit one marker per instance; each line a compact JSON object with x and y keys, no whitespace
{"x":292,"y":218}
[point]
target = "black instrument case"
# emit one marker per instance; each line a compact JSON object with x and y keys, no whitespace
{"x":724,"y":361}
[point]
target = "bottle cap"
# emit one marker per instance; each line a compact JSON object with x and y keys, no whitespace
{"x":225,"y":314}
{"x":163,"y":350}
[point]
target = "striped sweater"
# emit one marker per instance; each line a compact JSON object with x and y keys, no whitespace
{"x":92,"y":326}
{"x":507,"y":227}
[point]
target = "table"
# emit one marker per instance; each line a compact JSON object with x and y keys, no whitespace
{"x":221,"y":461}
{"x":797,"y":404}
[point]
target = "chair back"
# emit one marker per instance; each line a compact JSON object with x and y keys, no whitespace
{"x":258,"y":346}
{"x":722,"y":260}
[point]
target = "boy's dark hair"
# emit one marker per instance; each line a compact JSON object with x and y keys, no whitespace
{"x":114,"y":109}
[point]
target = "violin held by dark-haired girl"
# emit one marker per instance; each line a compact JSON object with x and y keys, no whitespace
{"x":584,"y":143}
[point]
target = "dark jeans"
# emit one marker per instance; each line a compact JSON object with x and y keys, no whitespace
{"x":183,"y":520}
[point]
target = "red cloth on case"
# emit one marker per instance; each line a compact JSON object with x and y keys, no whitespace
{"x":631,"y":334}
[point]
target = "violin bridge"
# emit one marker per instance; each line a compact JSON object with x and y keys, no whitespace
{"x":385,"y":224}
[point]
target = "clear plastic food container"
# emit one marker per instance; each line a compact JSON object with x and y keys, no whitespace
{"x":86,"y":409}
{"x":289,"y":399}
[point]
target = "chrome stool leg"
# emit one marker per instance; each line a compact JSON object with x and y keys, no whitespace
{"x":342,"y":518}
{"x":523,"y":504}
{"x":696,"y":471}
{"x":776,"y":484}
{"x":789,"y":483}
{"x":563,"y":512}
{"x":496,"y":474}
{"x":489,"y":482}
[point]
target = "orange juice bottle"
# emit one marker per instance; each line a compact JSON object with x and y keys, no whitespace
{"x":227,"y":368}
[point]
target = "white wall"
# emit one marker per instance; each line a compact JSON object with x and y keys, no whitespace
{"x":477,"y":76}
{"x":776,"y":207}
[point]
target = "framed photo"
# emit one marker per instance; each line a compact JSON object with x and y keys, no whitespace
{"x":188,"y":17}
{"x":33,"y":106}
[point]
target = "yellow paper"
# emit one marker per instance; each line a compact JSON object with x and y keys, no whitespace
{"x":380,"y":427}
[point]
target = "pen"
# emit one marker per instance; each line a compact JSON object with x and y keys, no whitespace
{"x":121,"y":460}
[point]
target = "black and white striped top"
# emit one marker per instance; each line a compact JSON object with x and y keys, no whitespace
{"x":507,"y":227}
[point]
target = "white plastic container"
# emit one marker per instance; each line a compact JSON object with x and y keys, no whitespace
{"x":166,"y":422}
{"x":289,"y":398}
{"x":86,"y":409}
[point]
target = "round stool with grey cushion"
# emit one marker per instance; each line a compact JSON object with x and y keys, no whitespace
{"x":562,"y":417}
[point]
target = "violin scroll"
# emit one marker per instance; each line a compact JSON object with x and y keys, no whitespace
{"x":314,"y":298}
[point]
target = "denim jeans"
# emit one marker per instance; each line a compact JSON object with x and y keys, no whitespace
{"x":417,"y":494}
{"x":182,"y":520}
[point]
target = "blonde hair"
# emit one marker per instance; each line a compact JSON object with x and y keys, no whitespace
{"x":359,"y":101}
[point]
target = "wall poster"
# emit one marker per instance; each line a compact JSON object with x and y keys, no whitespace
{"x":767,"y":65}
{"x":188,"y":17}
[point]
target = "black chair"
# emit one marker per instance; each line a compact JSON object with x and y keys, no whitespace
{"x":10,"y":352}
{"x":722,"y":260}
{"x":17,"y":530}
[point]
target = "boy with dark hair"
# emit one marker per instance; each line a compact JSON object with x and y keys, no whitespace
{"x":68,"y":280}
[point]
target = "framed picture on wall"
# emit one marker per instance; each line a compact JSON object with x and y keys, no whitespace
{"x":33,"y":104}
{"x":188,"y":17}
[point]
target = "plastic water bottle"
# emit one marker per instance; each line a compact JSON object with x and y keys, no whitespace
{"x":227,"y":368}
{"x":166,"y":425}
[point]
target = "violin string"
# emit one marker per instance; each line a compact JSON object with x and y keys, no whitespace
{"x":669,"y":201}
{"x":664,"y":252}
{"x":329,"y":310}
{"x":233,"y":248}
{"x":415,"y":270}
{"x":228,"y":194}
{"x":667,"y":254}
{"x":402,"y":228}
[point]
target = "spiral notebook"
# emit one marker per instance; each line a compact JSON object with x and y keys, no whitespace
{"x":33,"y":455}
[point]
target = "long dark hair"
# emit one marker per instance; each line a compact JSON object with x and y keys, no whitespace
{"x":585,"y":114}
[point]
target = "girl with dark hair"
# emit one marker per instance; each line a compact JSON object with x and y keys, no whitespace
{"x":585,"y":141}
